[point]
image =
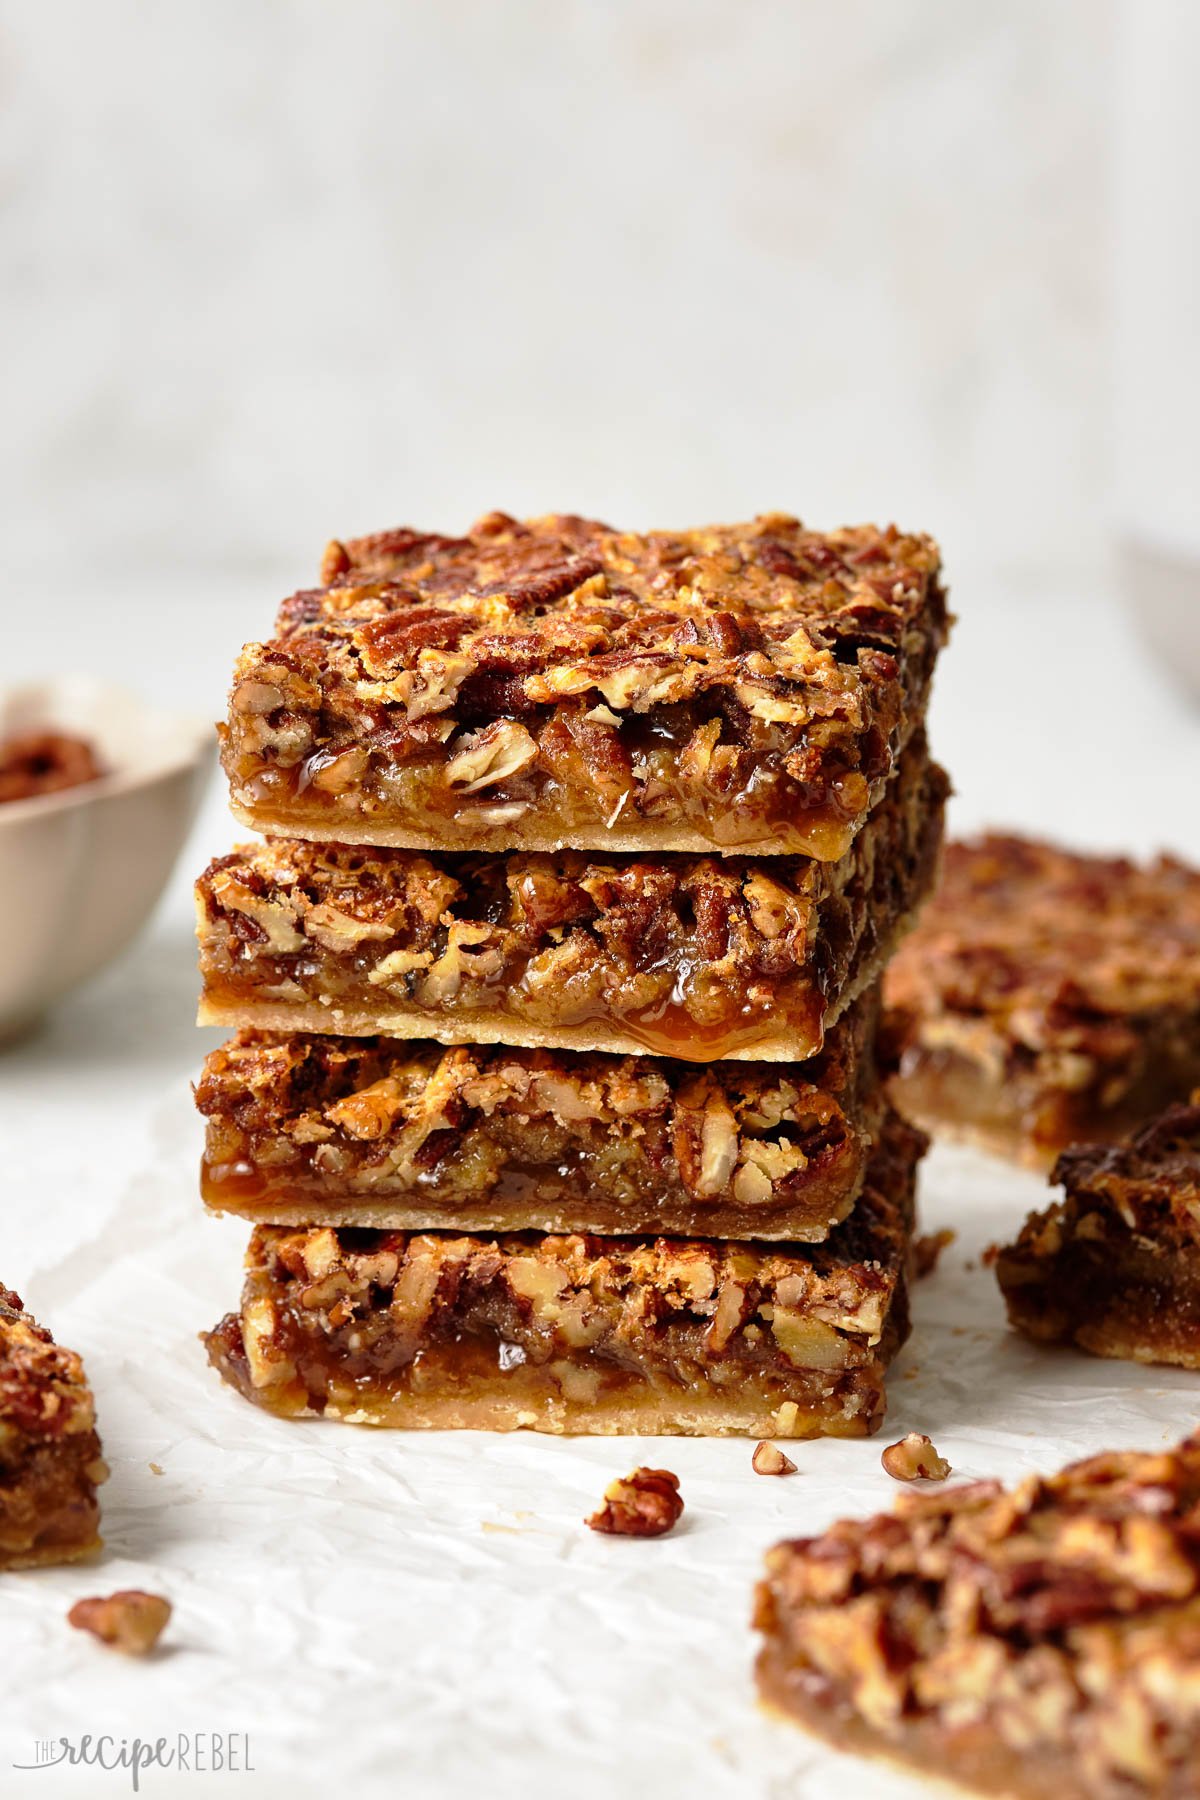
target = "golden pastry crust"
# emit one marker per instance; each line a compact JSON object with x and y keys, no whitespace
{"x":1115,"y":1265}
{"x":582,"y":1334}
{"x":50,"y":1462}
{"x":690,"y":957}
{"x":554,"y":683}
{"x":373,"y":1131}
{"x":1047,"y":998}
{"x":1040,"y":1642}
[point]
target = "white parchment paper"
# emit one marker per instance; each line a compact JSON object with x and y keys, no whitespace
{"x":411,"y":1615}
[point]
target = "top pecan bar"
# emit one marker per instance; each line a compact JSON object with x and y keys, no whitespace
{"x":556,"y":683}
{"x":1046,"y":997}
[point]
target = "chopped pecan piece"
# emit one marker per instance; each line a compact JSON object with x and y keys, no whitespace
{"x":914,"y":1459}
{"x":768,"y":1459}
{"x":129,"y":1620}
{"x":646,"y":1503}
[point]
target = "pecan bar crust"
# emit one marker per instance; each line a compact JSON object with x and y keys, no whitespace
{"x":1041,"y":1643}
{"x":1047,"y":998}
{"x":1115,"y":1266}
{"x":582,"y":1334}
{"x":50,"y":1461}
{"x":557,"y":683}
{"x":688,"y":957}
{"x":308,"y":1130}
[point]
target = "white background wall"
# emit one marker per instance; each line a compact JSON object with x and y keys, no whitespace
{"x":276,"y":269}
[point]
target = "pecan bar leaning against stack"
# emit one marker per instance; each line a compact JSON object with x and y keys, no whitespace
{"x":555,"y":984}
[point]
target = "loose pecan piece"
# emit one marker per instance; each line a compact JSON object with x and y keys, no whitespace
{"x":768,"y":1459}
{"x":129,"y":1620}
{"x":645,"y":1504}
{"x":914,"y":1459}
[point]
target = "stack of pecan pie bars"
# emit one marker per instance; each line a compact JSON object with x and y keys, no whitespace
{"x":552,"y":1096}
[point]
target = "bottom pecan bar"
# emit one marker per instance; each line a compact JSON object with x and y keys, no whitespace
{"x":1040,"y":1642}
{"x":50,"y":1462}
{"x":1115,"y":1266}
{"x":583,"y":1334}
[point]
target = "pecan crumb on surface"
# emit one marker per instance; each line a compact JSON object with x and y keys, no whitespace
{"x":914,"y":1459}
{"x":645,"y":1504}
{"x":927,"y":1250}
{"x":768,"y":1459}
{"x":129,"y":1620}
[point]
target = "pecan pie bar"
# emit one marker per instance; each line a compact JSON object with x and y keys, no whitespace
{"x":693,"y":957}
{"x":582,"y":1334}
{"x":557,"y":683}
{"x":50,"y":1462}
{"x":1115,"y":1266}
{"x":1041,"y":1642}
{"x":374,"y":1131}
{"x":1047,"y":998}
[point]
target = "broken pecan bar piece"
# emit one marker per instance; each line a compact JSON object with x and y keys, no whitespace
{"x":740,"y":688}
{"x":692,"y":957}
{"x":582,"y":1334}
{"x":374,"y":1131}
{"x":1042,"y":1642}
{"x":1115,"y":1265}
{"x":50,"y":1462}
{"x":1047,"y":998}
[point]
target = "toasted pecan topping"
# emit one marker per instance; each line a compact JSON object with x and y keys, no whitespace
{"x":646,"y":1503}
{"x":568,"y":606}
